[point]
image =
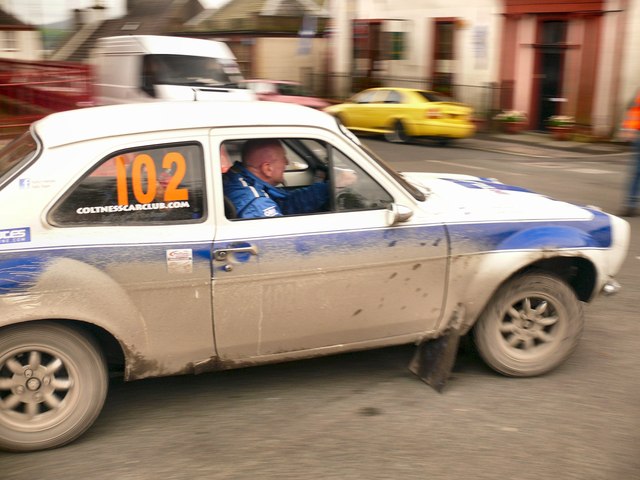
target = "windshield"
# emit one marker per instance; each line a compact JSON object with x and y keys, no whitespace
{"x":412,"y":189}
{"x":190,"y":70}
{"x":15,"y":155}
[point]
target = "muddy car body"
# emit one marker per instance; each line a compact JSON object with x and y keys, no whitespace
{"x":100,"y":269}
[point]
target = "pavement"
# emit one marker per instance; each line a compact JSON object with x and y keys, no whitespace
{"x":542,"y":145}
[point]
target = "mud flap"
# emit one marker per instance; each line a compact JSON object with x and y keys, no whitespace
{"x":434,"y":359}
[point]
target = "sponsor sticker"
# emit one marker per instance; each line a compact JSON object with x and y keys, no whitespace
{"x":180,"y":260}
{"x":270,"y":212}
{"x":30,"y":184}
{"x":15,"y":235}
{"x":134,"y":207}
{"x":485,"y":184}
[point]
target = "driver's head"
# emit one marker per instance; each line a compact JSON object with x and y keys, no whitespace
{"x":266,"y":159}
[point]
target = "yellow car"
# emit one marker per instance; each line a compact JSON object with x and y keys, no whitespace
{"x":402,"y":113}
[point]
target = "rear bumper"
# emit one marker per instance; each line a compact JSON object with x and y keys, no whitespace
{"x":442,"y":129}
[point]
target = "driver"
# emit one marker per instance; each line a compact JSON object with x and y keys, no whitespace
{"x":252,"y":184}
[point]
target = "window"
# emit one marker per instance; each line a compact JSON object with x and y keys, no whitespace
{"x":364,"y":194}
{"x":394,"y":45}
{"x":8,"y":41}
{"x":310,"y":161}
{"x":433,"y":96}
{"x":365,"y":97}
{"x":138,"y":187}
{"x":190,"y":70}
{"x":393,"y":97}
{"x":16,"y":154}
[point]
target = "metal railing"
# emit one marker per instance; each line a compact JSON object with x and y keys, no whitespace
{"x":31,"y":90}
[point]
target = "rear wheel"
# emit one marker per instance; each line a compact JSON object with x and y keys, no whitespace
{"x":53,"y":383}
{"x":398,"y":134}
{"x":530,"y":326}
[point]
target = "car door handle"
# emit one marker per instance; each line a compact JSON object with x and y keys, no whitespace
{"x":223,"y":254}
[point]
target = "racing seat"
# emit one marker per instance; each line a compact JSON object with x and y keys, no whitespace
{"x":229,"y":209}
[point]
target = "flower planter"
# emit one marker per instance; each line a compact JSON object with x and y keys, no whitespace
{"x":481,"y":124}
{"x":513,"y":127}
{"x":561,"y":132}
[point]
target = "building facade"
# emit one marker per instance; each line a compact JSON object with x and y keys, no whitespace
{"x":18,"y":41}
{"x":542,"y":57}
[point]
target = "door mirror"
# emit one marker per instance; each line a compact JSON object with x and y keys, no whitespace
{"x":398,"y":214}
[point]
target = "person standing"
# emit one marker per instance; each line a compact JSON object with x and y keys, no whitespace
{"x":631,"y":131}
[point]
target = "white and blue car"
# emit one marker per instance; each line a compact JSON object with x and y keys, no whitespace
{"x":120,"y":253}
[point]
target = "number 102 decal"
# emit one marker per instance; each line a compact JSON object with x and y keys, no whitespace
{"x":143,"y":163}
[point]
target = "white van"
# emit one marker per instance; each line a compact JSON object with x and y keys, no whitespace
{"x":139,"y":68}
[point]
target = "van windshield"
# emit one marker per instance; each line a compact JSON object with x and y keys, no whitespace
{"x":189,"y":70}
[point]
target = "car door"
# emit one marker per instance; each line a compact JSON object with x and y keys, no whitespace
{"x":373,"y":113}
{"x":388,"y":107}
{"x":136,"y":232}
{"x":356,"y":115}
{"x":330,"y":279}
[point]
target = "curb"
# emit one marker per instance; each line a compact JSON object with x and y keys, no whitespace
{"x":541,"y":147}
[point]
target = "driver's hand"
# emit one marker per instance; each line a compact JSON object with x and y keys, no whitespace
{"x":344,"y":177}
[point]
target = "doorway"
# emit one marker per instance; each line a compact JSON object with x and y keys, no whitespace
{"x":551,"y":57}
{"x":443,"y":56}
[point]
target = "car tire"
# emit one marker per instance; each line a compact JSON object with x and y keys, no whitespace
{"x":398,"y":134}
{"x":530,"y":326}
{"x":53,"y":384}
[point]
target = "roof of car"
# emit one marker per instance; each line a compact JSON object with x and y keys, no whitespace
{"x":98,"y":122}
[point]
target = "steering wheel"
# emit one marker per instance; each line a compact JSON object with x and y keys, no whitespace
{"x":349,"y":199}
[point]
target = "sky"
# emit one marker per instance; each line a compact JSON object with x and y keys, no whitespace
{"x":39,"y":12}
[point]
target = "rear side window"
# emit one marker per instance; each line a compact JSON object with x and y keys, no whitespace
{"x":433,"y":96}
{"x":365,"y":97}
{"x":138,"y":187}
{"x":393,"y":97}
{"x":16,"y":154}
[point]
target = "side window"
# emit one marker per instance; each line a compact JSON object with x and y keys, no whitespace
{"x":365,"y":97}
{"x":296,"y":176}
{"x":393,"y":97}
{"x":354,"y":189}
{"x":231,"y":152}
{"x":155,"y":185}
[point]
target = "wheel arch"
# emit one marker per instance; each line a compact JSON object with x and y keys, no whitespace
{"x":578,"y":272}
{"x":110,"y":346}
{"x":406,"y":124}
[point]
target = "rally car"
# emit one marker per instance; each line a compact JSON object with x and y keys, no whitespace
{"x":120,"y":252}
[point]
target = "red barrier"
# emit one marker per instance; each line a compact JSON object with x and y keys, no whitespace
{"x":31,"y":90}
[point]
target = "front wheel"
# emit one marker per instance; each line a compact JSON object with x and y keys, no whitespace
{"x":530,"y":326}
{"x":53,"y":384}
